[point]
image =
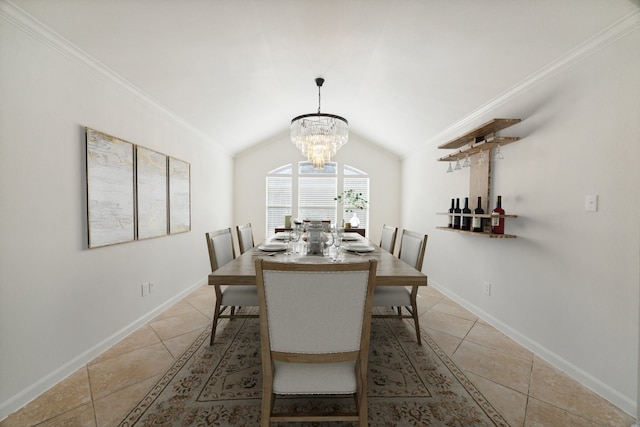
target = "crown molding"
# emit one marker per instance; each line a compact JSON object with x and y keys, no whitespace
{"x":28,"y":24}
{"x":610,"y":34}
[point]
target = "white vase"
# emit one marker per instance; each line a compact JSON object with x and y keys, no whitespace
{"x":355,"y":222}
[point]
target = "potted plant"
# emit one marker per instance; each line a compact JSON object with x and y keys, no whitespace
{"x":352,"y":200}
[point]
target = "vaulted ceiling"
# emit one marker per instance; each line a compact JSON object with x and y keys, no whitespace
{"x":401,"y":71}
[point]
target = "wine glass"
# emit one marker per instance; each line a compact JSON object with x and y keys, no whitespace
{"x":287,"y":239}
{"x":467,"y":162}
{"x":295,"y":237}
{"x":498,"y":154}
{"x":337,"y":242}
{"x":450,"y":170}
{"x":328,"y":242}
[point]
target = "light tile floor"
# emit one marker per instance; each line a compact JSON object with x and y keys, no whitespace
{"x":526,"y":390}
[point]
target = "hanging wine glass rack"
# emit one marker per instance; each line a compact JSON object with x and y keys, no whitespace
{"x":480,"y":141}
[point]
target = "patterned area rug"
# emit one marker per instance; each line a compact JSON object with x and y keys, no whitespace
{"x":220,"y":385}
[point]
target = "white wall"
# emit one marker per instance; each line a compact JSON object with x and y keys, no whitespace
{"x":253,"y":164}
{"x":567,"y":286}
{"x":61,"y":304}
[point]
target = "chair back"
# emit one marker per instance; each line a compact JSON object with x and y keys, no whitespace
{"x":220,"y":245}
{"x":388,"y":239}
{"x":245,"y":237}
{"x":412,"y":248}
{"x":315,"y":308}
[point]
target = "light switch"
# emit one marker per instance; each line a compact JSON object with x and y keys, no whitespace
{"x":591,"y":203}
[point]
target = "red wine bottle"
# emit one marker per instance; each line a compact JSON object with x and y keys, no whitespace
{"x":497,"y":223}
{"x":466,"y":220}
{"x":478,"y":222}
{"x":456,"y":217}
{"x":451,"y":214}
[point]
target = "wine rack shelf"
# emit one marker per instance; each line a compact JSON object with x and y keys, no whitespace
{"x":480,"y":215}
{"x":475,"y":233}
{"x":476,"y":146}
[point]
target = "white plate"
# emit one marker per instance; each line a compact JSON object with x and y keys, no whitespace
{"x":358,"y":248}
{"x":350,"y":238}
{"x":273,"y":247}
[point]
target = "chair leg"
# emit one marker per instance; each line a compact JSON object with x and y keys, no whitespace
{"x":414,"y":305}
{"x":399,"y":310}
{"x":267,"y":405}
{"x":216,"y":317}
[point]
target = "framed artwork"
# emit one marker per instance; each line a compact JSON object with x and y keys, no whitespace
{"x":179,"y":196}
{"x":151,"y":192}
{"x":110,"y":189}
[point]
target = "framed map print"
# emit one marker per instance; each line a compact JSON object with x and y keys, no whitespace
{"x":151,"y":174}
{"x":110,"y":189}
{"x":179,"y":196}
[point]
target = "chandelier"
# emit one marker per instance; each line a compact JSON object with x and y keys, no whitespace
{"x":318,"y":135}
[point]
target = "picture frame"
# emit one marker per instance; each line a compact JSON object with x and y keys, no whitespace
{"x":179,"y":196}
{"x":151,"y":193}
{"x":110,"y":189}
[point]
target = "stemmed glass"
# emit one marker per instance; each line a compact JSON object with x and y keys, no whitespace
{"x":328,"y":242}
{"x":467,"y":162}
{"x":295,"y":237}
{"x":287,"y":239}
{"x":498,"y":154}
{"x":337,"y":242}
{"x":450,"y":170}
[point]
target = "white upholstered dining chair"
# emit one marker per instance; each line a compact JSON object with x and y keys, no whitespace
{"x":315,"y":323}
{"x":221,"y":251}
{"x":412,"y":249}
{"x":245,"y":237}
{"x":388,"y":239}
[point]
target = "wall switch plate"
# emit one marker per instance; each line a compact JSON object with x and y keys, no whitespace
{"x":486,"y":288}
{"x":591,"y":203}
{"x":145,"y":289}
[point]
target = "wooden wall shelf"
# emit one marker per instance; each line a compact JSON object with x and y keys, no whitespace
{"x":479,"y":215}
{"x":481,"y":132}
{"x":477,"y":144}
{"x":474,"y":148}
{"x":489,"y":235}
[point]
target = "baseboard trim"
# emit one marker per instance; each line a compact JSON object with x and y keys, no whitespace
{"x":36,"y":389}
{"x":621,"y":401}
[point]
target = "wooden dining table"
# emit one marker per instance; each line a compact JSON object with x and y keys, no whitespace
{"x":391,"y":271}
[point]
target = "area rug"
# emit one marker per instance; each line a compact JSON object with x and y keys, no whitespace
{"x":220,"y":385}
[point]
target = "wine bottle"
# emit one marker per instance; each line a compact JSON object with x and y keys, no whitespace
{"x":456,"y":217}
{"x":451,"y":209}
{"x":497,"y":223}
{"x":466,"y":220}
{"x":478,"y":222}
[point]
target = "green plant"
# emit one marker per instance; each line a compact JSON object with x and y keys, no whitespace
{"x":351,"y":200}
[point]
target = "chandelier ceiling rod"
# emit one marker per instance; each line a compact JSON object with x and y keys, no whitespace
{"x":319,"y":82}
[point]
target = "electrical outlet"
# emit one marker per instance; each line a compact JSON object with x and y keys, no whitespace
{"x":145,"y":289}
{"x":486,"y":288}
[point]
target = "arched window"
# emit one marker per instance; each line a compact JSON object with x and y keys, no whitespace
{"x":307,"y":193}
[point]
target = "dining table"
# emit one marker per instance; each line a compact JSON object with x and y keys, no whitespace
{"x":391,"y":270}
